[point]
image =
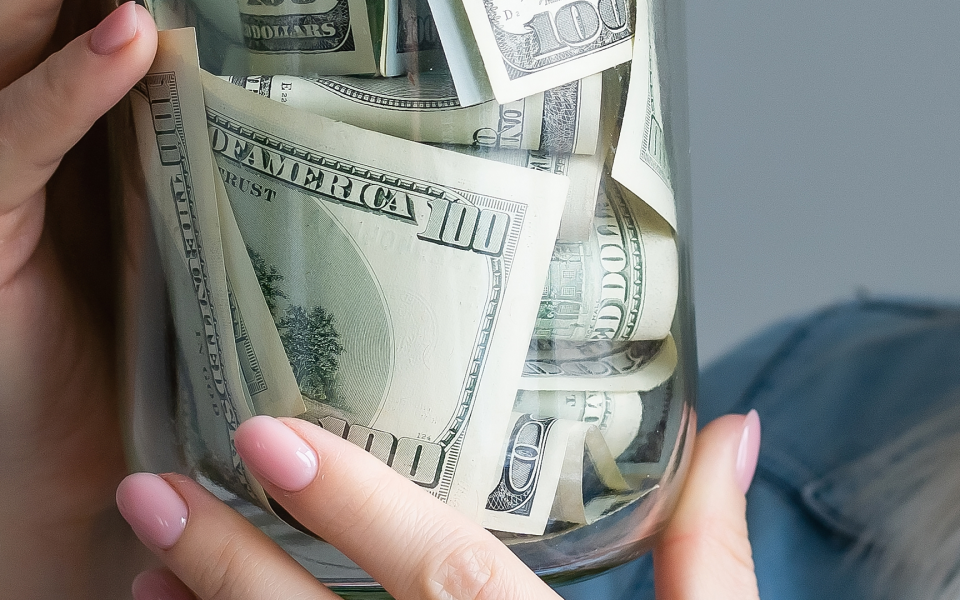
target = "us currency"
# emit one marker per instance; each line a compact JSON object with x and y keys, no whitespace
{"x":270,"y":387}
{"x":307,"y":37}
{"x":269,"y":379}
{"x":584,"y":172}
{"x":220,"y":16}
{"x":529,"y":46}
{"x":461,"y":52}
{"x":411,"y":43}
{"x":172,"y":14}
{"x":598,"y":365}
{"x":427,"y":111}
{"x":175,"y":155}
{"x":651,"y":451}
{"x":641,"y":163}
{"x":584,"y":496}
{"x":619,"y":284}
{"x":617,"y":415}
{"x":405,"y":280}
{"x":583,"y":478}
{"x":566,"y":119}
{"x":547,"y":462}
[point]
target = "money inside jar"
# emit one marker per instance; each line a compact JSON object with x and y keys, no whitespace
{"x":443,"y":230}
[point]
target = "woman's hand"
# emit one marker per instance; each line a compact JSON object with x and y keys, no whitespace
{"x":414,"y":545}
{"x":60,"y":449}
{"x":704,"y":551}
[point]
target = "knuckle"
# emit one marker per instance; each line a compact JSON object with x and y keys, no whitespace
{"x":8,"y":122}
{"x":718,"y":538}
{"x":46,"y":98}
{"x":221,"y":575}
{"x":27,"y":111}
{"x":367,"y":502}
{"x":737,"y":549}
{"x":466,"y":569}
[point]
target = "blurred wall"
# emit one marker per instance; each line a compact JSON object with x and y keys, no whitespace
{"x":825,"y":145}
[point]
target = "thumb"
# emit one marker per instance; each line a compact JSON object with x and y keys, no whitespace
{"x":704,"y":552}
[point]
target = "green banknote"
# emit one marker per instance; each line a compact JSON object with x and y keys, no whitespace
{"x":403,"y":279}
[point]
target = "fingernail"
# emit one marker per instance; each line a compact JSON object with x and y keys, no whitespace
{"x":748,"y":451}
{"x":159,"y":585}
{"x":115,"y":31}
{"x":155,"y":511}
{"x":276,"y":453}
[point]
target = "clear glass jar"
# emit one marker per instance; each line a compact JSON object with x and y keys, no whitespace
{"x":491,"y":296}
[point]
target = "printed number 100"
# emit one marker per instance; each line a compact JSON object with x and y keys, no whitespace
{"x":466,"y":227}
{"x":576,"y":23}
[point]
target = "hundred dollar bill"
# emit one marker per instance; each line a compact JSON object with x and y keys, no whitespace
{"x":173,"y":14}
{"x":641,"y":163}
{"x":529,"y":46}
{"x":589,"y":484}
{"x":662,"y":429}
{"x":307,"y":37}
{"x":411,"y":43}
{"x":168,"y":114}
{"x":560,"y":120}
{"x":271,"y":385}
{"x":584,"y":172}
{"x":621,"y":283}
{"x":617,"y":415}
{"x":547,"y":462}
{"x":598,"y":365}
{"x":461,"y":52}
{"x":405,"y":280}
{"x":219,"y":17}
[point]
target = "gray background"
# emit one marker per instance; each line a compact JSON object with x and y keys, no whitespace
{"x":825,"y":148}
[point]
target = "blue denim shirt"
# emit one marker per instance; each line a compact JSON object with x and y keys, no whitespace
{"x":829,"y":388}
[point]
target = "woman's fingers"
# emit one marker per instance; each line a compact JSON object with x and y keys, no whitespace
{"x":410,"y":542}
{"x":414,"y":545}
{"x":45,"y":112}
{"x":704,"y":552}
{"x":207,"y":545}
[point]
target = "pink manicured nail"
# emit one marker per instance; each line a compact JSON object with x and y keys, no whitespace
{"x":155,"y":511}
{"x":116,"y":31}
{"x":159,"y":585}
{"x":748,"y":451}
{"x":276,"y":453}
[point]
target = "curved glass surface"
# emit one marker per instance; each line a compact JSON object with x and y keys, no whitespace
{"x":454,"y":232}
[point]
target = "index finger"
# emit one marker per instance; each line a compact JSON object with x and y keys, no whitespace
{"x":45,"y":112}
{"x":410,"y":542}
